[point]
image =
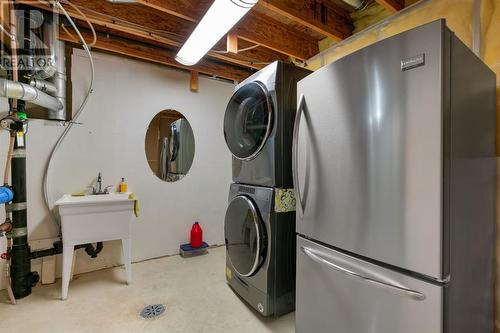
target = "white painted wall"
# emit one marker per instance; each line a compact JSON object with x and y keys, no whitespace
{"x":127,"y":96}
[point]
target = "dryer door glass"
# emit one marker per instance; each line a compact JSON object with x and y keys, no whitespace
{"x":248,"y":121}
{"x":244,"y":236}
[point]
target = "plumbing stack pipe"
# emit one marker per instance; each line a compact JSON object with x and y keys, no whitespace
{"x":20,"y":269}
{"x":22,"y":278}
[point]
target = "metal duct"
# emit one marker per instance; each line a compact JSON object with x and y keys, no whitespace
{"x":49,"y":39}
{"x":45,"y":86}
{"x":25,"y":92}
{"x":59,"y":80}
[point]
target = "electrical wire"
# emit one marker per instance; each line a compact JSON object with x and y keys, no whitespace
{"x":76,"y":40}
{"x":94,"y":34}
{"x":85,"y":18}
{"x":5,"y":31}
{"x":114,"y":20}
{"x":46,"y":191}
{"x":13,"y":107}
{"x":161,"y":33}
{"x":239,"y":50}
{"x":364,"y":5}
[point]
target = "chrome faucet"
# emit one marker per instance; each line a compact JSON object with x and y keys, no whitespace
{"x":99,"y":189}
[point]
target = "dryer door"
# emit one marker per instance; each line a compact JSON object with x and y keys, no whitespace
{"x":244,"y":233}
{"x":248,"y":120}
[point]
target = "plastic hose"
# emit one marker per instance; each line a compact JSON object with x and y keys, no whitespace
{"x":15,"y":75}
{"x":63,"y":135}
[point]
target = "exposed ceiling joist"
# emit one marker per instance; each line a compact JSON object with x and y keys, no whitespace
{"x":274,"y":35}
{"x":254,"y":27}
{"x":142,"y":25}
{"x":158,"y":55}
{"x":5,"y":22}
{"x":321,"y":18}
{"x":392,"y":5}
{"x":185,"y":9}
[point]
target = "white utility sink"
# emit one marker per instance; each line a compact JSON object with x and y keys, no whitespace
{"x":91,"y":219}
{"x":68,"y":199}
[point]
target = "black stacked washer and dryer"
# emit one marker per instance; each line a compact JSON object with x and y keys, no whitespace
{"x":260,"y":220}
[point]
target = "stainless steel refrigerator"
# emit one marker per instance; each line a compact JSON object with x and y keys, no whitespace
{"x":176,"y":151}
{"x":394,"y":171}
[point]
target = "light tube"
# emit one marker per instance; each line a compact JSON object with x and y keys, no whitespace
{"x":219,"y":19}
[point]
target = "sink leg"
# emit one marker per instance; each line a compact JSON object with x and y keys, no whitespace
{"x":68,"y":250}
{"x":127,"y":259}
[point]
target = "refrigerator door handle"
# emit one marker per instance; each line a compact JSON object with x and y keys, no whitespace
{"x":295,"y":151}
{"x":398,"y":290}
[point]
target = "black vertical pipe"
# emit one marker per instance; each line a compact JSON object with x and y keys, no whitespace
{"x":20,"y":269}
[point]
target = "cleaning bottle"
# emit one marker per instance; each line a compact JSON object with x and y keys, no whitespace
{"x":123,"y":186}
{"x":196,"y":236}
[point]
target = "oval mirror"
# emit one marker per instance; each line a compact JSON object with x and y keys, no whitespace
{"x":169,"y":145}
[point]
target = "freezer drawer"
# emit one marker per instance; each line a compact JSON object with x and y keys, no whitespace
{"x":341,"y":294}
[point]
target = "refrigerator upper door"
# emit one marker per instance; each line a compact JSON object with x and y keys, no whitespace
{"x":338,"y":293}
{"x":368,"y":152}
{"x":182,"y":147}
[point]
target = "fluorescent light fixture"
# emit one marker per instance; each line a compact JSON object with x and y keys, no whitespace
{"x":219,"y":19}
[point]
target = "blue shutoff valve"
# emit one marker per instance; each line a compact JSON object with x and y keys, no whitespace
{"x":6,"y":194}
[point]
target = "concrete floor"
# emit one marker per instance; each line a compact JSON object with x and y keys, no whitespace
{"x":194,"y":291}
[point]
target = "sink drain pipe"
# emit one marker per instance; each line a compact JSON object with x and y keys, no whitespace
{"x":57,"y":248}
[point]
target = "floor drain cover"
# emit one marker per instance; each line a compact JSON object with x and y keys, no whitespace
{"x":152,"y":311}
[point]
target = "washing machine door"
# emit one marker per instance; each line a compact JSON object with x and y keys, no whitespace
{"x":245,"y":236}
{"x":248,"y":120}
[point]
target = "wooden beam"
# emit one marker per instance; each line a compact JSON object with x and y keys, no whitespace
{"x":131,"y":21}
{"x":185,"y":9}
{"x":232,"y":42}
{"x":247,"y":58}
{"x":392,"y":6}
{"x":277,"y":36}
{"x":320,"y":17}
{"x":194,"y":83}
{"x":254,"y":27}
{"x":158,"y":55}
{"x":5,"y":21}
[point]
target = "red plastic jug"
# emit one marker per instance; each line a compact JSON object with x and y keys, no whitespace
{"x":196,"y":236}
